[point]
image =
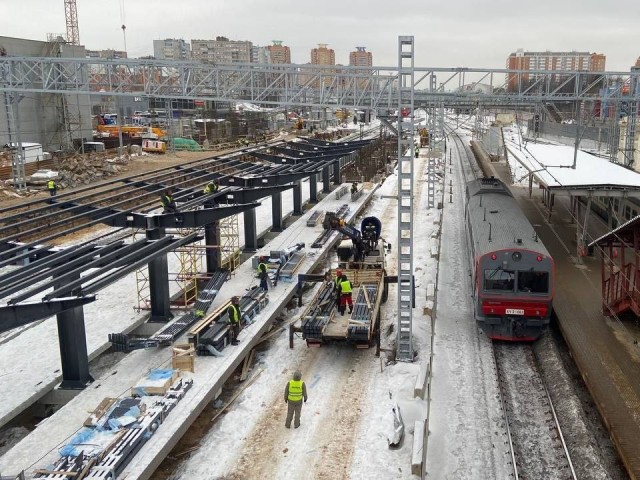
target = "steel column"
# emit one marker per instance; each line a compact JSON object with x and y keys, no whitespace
{"x":313,"y":188}
{"x":326,"y":179}
{"x":159,"y":282}
{"x":297,"y":198}
{"x":405,"y":197}
{"x":74,"y":358}
{"x":336,"y":172}
{"x":276,"y":212}
{"x":250,"y":231}
{"x":212,"y":242}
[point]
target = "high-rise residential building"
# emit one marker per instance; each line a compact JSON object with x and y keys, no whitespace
{"x":221,"y":50}
{"x":323,"y":55}
{"x":260,"y":54}
{"x":543,"y":61}
{"x":279,"y":53}
{"x":171,"y":49}
{"x":361,"y":58}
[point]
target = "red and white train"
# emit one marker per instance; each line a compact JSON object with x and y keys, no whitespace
{"x":512,"y":272}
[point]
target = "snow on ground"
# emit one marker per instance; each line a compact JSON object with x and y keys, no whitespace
{"x":27,"y":377}
{"x":346,"y":423}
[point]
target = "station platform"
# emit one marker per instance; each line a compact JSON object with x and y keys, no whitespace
{"x":40,"y":448}
{"x":607,"y":358}
{"x":26,"y":379}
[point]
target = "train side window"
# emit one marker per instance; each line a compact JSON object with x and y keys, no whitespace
{"x":533,"y":282}
{"x":498,"y":280}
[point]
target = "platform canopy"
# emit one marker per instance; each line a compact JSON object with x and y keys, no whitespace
{"x":551,"y":167}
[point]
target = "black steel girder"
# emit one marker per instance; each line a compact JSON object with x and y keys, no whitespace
{"x":186,"y":219}
{"x":14,"y":316}
{"x":327,"y":143}
{"x":126,"y":265}
{"x":320,"y":150}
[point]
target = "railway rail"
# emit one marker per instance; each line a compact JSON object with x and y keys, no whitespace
{"x":534,"y":434}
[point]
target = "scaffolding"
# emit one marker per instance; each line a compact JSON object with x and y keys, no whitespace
{"x":229,"y":243}
{"x":190,"y":260}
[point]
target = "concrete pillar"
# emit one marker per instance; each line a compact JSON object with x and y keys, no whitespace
{"x":313,"y":188}
{"x":72,"y":339}
{"x":212,"y":238}
{"x":159,"y":282}
{"x":276,"y":212}
{"x":326,"y":179}
{"x":297,"y":198}
{"x":250,"y":231}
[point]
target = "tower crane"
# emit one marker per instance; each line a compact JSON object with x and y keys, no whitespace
{"x":71,"y":16}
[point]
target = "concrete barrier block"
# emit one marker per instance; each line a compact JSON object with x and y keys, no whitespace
{"x":431,"y":291}
{"x":421,"y":381}
{"x":418,"y":446}
{"x":434,"y":251}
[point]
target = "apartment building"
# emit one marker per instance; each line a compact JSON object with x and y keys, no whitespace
{"x":544,"y":61}
{"x":221,"y":50}
{"x":108,"y":53}
{"x":279,"y":53}
{"x":171,"y":49}
{"x":361,"y":58}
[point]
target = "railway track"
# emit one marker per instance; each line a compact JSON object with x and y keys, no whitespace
{"x":534,"y":435}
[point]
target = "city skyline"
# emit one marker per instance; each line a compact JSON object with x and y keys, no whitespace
{"x":464,"y":34}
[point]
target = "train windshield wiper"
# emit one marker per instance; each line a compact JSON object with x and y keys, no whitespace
{"x":493,"y":272}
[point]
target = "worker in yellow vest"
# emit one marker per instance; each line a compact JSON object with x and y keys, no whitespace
{"x":345,"y":294}
{"x":294,"y":393}
{"x":337,"y":286}
{"x":168,"y":203}
{"x":51,"y":186}
{"x":233,"y":311}
{"x":212,"y":187}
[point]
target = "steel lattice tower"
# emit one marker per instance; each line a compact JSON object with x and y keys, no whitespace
{"x":71,"y":16}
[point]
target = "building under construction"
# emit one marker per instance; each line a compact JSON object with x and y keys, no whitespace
{"x":50,"y":119}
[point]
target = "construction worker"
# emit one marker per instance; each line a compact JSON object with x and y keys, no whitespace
{"x":345,"y":289}
{"x":198,"y":314}
{"x":168,"y":204}
{"x":263,"y":275}
{"x":52,"y":187}
{"x":233,"y":311}
{"x":337,"y":285}
{"x":354,"y":188}
{"x":294,"y":393}
{"x":212,"y":187}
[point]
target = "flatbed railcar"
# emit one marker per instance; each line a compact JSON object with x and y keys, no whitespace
{"x":513,"y":275}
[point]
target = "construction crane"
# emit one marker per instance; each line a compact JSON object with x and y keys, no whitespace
{"x":71,"y":16}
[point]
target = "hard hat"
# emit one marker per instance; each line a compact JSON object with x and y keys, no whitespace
{"x":338,"y":272}
{"x":261,"y":258}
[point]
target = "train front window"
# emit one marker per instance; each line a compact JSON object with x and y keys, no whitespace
{"x":498,"y":280}
{"x":533,"y":282}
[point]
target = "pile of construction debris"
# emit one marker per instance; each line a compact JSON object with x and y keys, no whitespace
{"x":88,"y":168}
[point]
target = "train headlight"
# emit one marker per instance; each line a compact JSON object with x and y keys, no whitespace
{"x":516,"y":256}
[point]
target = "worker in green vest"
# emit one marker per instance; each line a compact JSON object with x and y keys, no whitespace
{"x":168,"y":203}
{"x":212,"y":187}
{"x":337,"y":285}
{"x":51,"y":186}
{"x":345,"y":294}
{"x":294,"y":393}
{"x":233,"y":311}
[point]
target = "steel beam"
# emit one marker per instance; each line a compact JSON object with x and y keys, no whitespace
{"x":336,"y":173}
{"x":14,"y":316}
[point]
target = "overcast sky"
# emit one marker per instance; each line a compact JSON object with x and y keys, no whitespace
{"x":460,"y":33}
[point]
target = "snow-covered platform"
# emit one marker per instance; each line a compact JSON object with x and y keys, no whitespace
{"x":41,"y":446}
{"x":31,"y":359}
